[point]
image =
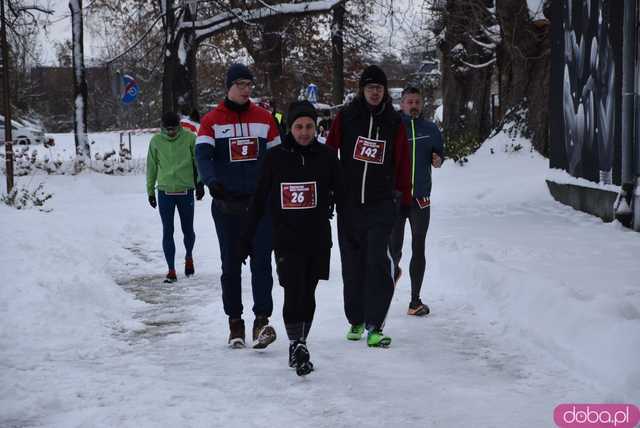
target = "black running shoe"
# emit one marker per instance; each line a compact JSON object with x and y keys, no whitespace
{"x":301,"y":357}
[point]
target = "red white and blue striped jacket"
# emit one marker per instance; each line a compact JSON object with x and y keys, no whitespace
{"x":232,"y":144}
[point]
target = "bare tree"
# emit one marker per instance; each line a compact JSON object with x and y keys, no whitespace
{"x":524,"y":67}
{"x":21,"y":20}
{"x":468,"y":57}
{"x":184,"y":32}
{"x":83,"y":155}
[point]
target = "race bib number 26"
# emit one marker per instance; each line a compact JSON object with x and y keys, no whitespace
{"x":243,"y":149}
{"x":296,"y":196}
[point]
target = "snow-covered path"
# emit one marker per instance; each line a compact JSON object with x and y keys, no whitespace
{"x":533,"y":305}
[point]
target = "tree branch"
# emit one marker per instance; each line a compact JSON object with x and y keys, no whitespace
{"x":477,"y":66}
{"x":34,"y":7}
{"x":136,"y":43}
{"x":218,"y":23}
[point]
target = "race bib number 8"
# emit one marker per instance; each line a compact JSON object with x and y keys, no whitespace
{"x":368,"y":150}
{"x":298,"y":196}
{"x":243,"y":149}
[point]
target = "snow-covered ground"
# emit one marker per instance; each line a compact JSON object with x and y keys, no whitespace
{"x":533,"y":305}
{"x":100,"y":142}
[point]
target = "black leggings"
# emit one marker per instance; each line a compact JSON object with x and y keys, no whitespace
{"x":299,"y":274}
{"x":419,"y":222}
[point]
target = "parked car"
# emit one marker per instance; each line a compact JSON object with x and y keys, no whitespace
{"x":24,"y":133}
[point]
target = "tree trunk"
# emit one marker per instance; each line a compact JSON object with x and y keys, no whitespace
{"x":337,"y":54}
{"x":525,"y":68}
{"x":170,"y":65}
{"x":184,"y":85}
{"x":83,"y":155}
{"x":271,"y":56}
{"x":465,"y":89}
{"x":6,"y":92}
{"x":179,"y":75}
{"x":183,"y":79}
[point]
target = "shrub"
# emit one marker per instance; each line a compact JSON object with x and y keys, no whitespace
{"x":22,"y":198}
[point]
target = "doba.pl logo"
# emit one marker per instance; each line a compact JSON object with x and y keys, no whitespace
{"x":596,"y":415}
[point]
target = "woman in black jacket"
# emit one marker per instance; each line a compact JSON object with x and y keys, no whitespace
{"x":299,"y":182}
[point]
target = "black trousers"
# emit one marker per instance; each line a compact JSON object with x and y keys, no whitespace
{"x":299,"y":273}
{"x":419,"y":223}
{"x":228,"y":228}
{"x":364,"y":232}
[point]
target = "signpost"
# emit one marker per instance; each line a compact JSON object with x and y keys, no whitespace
{"x":312,"y":93}
{"x":131,"y":89}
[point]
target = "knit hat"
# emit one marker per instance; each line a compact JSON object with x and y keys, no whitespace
{"x":170,"y":120}
{"x":301,"y":109}
{"x":373,"y":74}
{"x":236,"y":72}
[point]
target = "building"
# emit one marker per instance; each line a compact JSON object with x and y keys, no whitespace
{"x":595,"y":108}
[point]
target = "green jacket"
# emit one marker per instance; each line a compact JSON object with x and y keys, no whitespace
{"x":171,"y":162}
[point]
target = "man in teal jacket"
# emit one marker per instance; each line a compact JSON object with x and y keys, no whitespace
{"x":171,"y":164}
{"x":425,"y":141}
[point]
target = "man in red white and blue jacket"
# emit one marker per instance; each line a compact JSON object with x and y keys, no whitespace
{"x":232,"y":142}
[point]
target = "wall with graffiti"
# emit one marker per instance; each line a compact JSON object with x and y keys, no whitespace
{"x":586,"y":93}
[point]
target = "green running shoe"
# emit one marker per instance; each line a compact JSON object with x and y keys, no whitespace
{"x":377,"y":339}
{"x":355,"y":332}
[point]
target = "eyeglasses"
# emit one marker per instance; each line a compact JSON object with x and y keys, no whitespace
{"x":244,"y":84}
{"x":373,"y":87}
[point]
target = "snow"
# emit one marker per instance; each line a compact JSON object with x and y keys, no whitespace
{"x":234,"y":16}
{"x":493,"y":33}
{"x":483,"y":65}
{"x":489,"y":46}
{"x":561,"y":176}
{"x":182,"y":51}
{"x":458,"y":49}
{"x":533,"y":304}
{"x":100,"y":143}
{"x":536,"y":9}
{"x":438,"y":115}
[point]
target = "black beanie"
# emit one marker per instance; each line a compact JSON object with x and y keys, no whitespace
{"x":301,"y":109}
{"x":170,"y":120}
{"x":236,"y":72}
{"x":373,"y":74}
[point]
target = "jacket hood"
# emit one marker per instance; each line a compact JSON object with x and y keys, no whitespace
{"x":166,"y":137}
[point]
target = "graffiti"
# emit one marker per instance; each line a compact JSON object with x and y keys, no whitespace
{"x":589,"y":98}
{"x":606,"y":97}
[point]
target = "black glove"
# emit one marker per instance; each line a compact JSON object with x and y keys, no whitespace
{"x":405,"y":210}
{"x":216,"y":190}
{"x":199,"y":191}
{"x":332,"y":205}
{"x":243,"y":249}
{"x":152,"y":201}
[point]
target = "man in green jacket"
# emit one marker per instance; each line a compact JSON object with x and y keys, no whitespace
{"x":171,"y":164}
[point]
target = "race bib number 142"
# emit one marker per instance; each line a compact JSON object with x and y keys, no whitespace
{"x":243,"y":149}
{"x":368,"y":150}
{"x":296,"y":196}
